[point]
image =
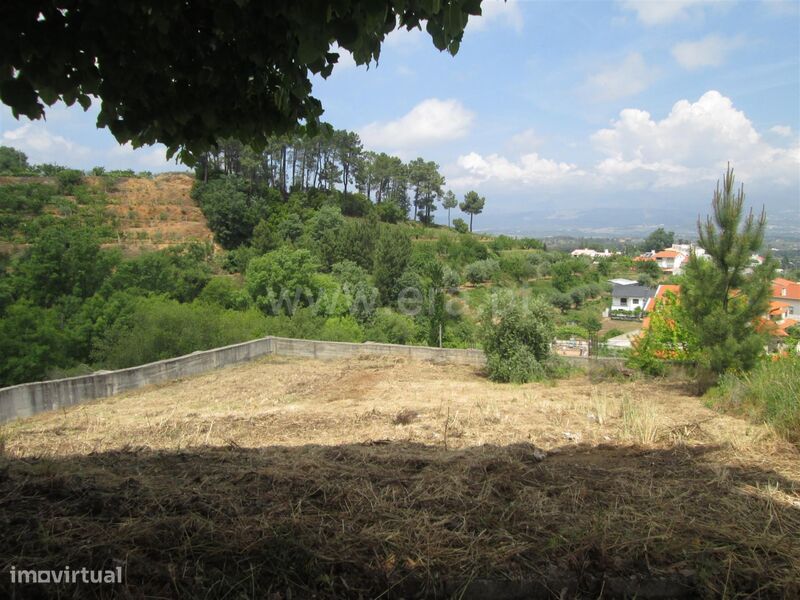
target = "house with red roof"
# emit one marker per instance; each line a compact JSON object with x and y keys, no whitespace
{"x":787,"y":292}
{"x":778,"y":320}
{"x":671,"y":260}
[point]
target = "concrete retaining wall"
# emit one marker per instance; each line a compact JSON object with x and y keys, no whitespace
{"x":29,"y":399}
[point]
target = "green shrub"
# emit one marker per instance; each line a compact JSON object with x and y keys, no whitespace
{"x":68,"y":180}
{"x":160,"y":328}
{"x":225,"y":292}
{"x":517,"y":364}
{"x":390,"y":327}
{"x":481,"y":270}
{"x":282,"y":280}
{"x":389,"y":212}
{"x":460,"y":225}
{"x":341,"y":329}
{"x":769,"y":393}
{"x":517,"y":338}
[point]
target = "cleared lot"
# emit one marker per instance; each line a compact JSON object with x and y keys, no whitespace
{"x":344,"y":479}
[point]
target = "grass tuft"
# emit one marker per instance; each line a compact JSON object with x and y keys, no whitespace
{"x":769,"y":393}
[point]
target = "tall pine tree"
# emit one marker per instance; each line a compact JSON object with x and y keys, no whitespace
{"x":723,"y":299}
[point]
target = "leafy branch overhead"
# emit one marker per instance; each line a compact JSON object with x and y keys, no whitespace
{"x":187,"y":73}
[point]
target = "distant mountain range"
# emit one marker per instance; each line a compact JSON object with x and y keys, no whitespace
{"x":634,"y":221}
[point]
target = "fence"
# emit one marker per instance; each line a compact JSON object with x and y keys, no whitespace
{"x":28,"y":399}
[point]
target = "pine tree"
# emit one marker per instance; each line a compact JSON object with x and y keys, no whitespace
{"x":723,"y":300}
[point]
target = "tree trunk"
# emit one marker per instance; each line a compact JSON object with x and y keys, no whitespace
{"x":470,"y":222}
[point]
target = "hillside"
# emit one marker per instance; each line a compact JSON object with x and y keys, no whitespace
{"x":157,"y":212}
{"x":394,"y":478}
{"x":136,"y":213}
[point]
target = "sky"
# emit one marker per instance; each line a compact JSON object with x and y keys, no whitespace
{"x":562,"y":114}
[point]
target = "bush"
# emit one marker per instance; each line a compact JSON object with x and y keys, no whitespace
{"x":561,"y":301}
{"x":225,"y":292}
{"x":68,"y":180}
{"x":390,"y":327}
{"x":566,"y":332}
{"x":481,"y":270}
{"x":282,"y":280}
{"x":389,"y":212}
{"x":451,"y":279}
{"x":354,"y":205}
{"x":516,"y":365}
{"x":460,"y":225}
{"x":770,"y":393}
{"x":517,"y":338}
{"x":160,"y":328}
{"x":341,"y":329}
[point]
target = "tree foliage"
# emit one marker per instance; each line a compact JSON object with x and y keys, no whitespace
{"x":238,"y":69}
{"x":12,"y":161}
{"x":392,"y":254}
{"x":658,"y":240}
{"x":472,"y":205}
{"x":722,"y":301}
{"x":282,"y":281}
{"x":517,"y":338}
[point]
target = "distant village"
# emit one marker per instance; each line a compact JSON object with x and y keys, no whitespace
{"x":632,"y":301}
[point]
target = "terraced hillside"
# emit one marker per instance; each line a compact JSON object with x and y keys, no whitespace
{"x":157,"y":212}
{"x":134,"y":213}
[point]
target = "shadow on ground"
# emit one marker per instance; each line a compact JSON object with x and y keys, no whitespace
{"x":402,"y":520}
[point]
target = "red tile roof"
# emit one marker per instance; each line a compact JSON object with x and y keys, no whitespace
{"x":792,"y":289}
{"x":776,"y":307}
{"x":776,"y":329}
{"x":662,"y":289}
{"x":668,"y":254}
{"x":651,"y":303}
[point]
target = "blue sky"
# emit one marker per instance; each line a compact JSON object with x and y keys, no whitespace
{"x":558,"y":107}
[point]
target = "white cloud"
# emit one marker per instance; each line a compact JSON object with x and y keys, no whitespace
{"x":692,"y":143}
{"x":475,"y":170}
{"x":660,"y":12}
{"x":525,"y":141}
{"x":432,"y":121}
{"x":41,"y":146}
{"x":618,"y":81}
{"x":781,"y":130}
{"x":499,"y":12}
{"x":711,"y":51}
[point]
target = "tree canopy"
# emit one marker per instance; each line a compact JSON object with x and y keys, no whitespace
{"x":723,"y":298}
{"x":189,"y":73}
{"x":658,"y":240}
{"x":472,"y":205}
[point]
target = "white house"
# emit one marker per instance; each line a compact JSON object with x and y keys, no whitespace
{"x":630,"y":298}
{"x":593,"y":253}
{"x":671,"y":261}
{"x":687,"y":249}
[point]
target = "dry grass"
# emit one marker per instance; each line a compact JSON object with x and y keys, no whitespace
{"x":385,"y":476}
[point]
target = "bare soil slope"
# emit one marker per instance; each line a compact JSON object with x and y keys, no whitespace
{"x":295,"y":478}
{"x":157,"y":212}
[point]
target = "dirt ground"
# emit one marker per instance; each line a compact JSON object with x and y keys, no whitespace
{"x":291,"y":478}
{"x":156,"y":213}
